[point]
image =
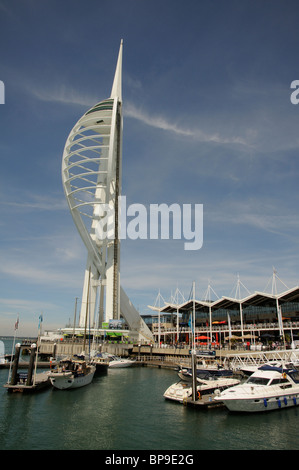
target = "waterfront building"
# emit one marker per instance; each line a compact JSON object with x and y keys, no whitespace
{"x":259,"y":316}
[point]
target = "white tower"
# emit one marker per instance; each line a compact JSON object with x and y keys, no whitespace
{"x":91,"y":175}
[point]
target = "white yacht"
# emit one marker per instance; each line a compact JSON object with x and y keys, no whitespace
{"x":71,"y":373}
{"x":250,"y":369}
{"x":181,"y":390}
{"x":115,"y":362}
{"x":268,"y":388}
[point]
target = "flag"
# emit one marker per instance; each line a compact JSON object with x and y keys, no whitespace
{"x":40,"y":319}
{"x":17,"y":323}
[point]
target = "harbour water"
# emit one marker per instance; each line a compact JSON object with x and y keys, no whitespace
{"x":124,"y":409}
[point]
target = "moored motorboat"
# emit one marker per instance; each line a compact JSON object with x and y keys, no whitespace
{"x":182,"y":390}
{"x":268,"y":388}
{"x":205,"y":370}
{"x":117,"y":362}
{"x":101,"y":364}
{"x":250,"y":369}
{"x":71,"y":373}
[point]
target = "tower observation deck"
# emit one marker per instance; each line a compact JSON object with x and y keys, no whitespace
{"x":91,"y":176}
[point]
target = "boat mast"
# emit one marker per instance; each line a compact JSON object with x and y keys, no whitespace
{"x":87,"y":310}
{"x":40,"y":319}
{"x":13,"y":347}
{"x":74,"y":327}
{"x":193,"y":351}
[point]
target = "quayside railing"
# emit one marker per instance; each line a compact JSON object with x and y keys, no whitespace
{"x":237,"y":361}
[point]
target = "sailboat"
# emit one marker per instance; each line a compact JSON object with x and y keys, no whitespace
{"x":73,"y":372}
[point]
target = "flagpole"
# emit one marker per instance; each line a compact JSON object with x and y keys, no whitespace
{"x":193,"y":352}
{"x":229,"y":330}
{"x":40,"y":319}
{"x":13,"y":347}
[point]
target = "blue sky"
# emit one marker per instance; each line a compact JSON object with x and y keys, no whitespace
{"x":207,"y":120}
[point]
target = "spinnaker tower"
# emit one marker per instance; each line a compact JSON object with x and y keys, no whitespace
{"x":91,"y":176}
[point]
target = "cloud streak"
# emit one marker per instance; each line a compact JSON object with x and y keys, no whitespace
{"x":159,"y":122}
{"x":63,"y":94}
{"x":66,"y":95}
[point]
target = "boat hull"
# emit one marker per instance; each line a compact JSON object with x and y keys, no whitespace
{"x":120,"y":364}
{"x":258,"y":405}
{"x":268,"y":388}
{"x":182,"y":391}
{"x":67,"y":380}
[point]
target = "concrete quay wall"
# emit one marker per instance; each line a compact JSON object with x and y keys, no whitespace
{"x":51,"y":349}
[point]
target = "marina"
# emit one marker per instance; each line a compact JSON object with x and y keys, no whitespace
{"x":132,"y":399}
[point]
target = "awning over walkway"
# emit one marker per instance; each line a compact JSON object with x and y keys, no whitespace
{"x":261,"y":299}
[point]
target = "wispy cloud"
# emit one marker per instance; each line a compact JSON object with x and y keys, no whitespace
{"x":62,"y":94}
{"x":16,"y":305}
{"x":258,"y":213}
{"x":154,"y":121}
{"x":37,"y":202}
{"x":41,"y":275}
{"x":67,"y":95}
{"x":160,"y":122}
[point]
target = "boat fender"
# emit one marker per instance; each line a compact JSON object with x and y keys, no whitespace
{"x":279,"y":403}
{"x":198,"y":395}
{"x":265,"y":403}
{"x":285,"y":400}
{"x":295,"y":401}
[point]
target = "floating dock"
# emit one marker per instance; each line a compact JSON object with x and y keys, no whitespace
{"x":205,"y":402}
{"x":41,"y":381}
{"x":28,"y":381}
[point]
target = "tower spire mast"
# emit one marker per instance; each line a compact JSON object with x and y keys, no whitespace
{"x":116,"y":91}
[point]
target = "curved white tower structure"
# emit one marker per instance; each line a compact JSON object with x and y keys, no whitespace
{"x":91,"y":175}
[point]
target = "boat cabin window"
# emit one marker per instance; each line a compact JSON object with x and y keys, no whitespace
{"x":295,"y":376}
{"x":279,"y":381}
{"x":258,"y":380}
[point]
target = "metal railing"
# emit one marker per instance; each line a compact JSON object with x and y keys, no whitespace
{"x":224,"y":328}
